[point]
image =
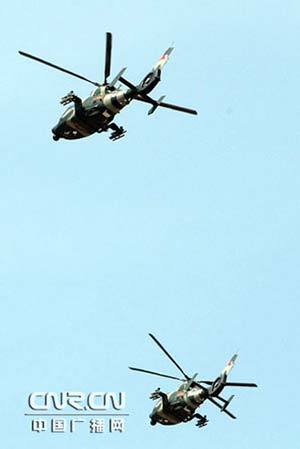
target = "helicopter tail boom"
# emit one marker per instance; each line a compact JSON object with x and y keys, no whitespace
{"x":150,"y":81}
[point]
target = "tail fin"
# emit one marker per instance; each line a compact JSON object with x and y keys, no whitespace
{"x":229,"y":365}
{"x":163,"y":59}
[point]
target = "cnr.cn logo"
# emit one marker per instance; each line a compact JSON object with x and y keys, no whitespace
{"x":94,"y":401}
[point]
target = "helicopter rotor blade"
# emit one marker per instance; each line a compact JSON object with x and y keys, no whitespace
{"x":155,"y":373}
{"x":116,"y":78}
{"x":206,"y":382}
{"x":178,"y":108}
{"x":239,"y":384}
{"x":221,"y":407}
{"x":127,"y":83}
{"x":35,"y":58}
{"x":169,"y":356}
{"x":147,"y":99}
{"x":107,"y":56}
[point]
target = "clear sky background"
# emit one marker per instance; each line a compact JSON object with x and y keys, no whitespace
{"x":187,"y":228}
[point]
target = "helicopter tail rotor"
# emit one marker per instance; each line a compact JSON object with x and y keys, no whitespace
{"x":219,"y":383}
{"x":216,"y":387}
{"x":140,"y":92}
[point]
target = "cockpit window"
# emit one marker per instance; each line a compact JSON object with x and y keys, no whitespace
{"x":95,"y":91}
{"x":67,"y":112}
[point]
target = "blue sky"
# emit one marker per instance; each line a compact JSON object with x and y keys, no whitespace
{"x":187,"y":228}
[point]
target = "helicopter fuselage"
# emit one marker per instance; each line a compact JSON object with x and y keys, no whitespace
{"x":94,"y":114}
{"x":178,"y":406}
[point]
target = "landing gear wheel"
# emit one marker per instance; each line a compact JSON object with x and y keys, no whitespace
{"x":202,"y":421}
{"x":56,"y":138}
{"x":116,"y":135}
{"x":153,"y":422}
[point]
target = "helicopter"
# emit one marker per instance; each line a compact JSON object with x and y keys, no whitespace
{"x":96,"y":113}
{"x":180,"y":406}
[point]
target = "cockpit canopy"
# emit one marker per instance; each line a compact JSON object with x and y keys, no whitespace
{"x":96,"y":91}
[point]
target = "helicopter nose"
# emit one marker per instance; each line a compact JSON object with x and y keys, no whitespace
{"x":56,"y":131}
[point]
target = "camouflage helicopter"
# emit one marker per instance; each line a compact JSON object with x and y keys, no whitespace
{"x":180,"y":405}
{"x":96,"y":113}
